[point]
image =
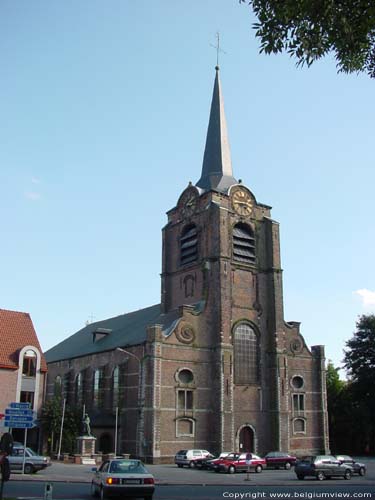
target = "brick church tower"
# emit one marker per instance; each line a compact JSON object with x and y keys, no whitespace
{"x":263,"y":388}
{"x":214,"y":366}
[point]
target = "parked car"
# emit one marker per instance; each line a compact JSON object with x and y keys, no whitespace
{"x":358,"y":467}
{"x":279,"y":459}
{"x":209,"y":461}
{"x":238,"y":464}
{"x":33,"y":461}
{"x":322,"y":467}
{"x":190,"y":457}
{"x":124,"y":478}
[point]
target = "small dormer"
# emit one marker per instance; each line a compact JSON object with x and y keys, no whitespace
{"x":100,"y":333}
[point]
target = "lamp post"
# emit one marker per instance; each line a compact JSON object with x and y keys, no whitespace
{"x":139,"y":401}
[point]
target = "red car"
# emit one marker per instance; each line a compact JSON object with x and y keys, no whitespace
{"x":238,"y":464}
{"x":278,"y":459}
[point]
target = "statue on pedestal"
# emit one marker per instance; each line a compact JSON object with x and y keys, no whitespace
{"x":86,"y":428}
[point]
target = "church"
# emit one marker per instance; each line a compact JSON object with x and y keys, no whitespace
{"x":214,"y":366}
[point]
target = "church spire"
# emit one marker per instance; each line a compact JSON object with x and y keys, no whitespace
{"x":217,"y":166}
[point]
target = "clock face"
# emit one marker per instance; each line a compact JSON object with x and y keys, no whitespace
{"x":242,"y":202}
{"x":189,"y":202}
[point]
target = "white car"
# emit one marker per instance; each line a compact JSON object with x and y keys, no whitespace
{"x":33,"y":461}
{"x":123,"y":478}
{"x":190,"y":457}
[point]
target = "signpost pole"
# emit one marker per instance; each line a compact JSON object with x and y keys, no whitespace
{"x":61,"y":429}
{"x":24,"y":452}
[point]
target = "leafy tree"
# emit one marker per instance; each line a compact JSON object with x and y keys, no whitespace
{"x":51,"y":423}
{"x":359,"y":361}
{"x":310,"y":29}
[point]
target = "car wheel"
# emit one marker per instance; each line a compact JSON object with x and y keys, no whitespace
{"x":287,"y":466}
{"x":320,"y":476}
{"x":362,"y":471}
{"x":347,"y":474}
{"x":103,"y":496}
{"x":231,"y":469}
{"x":191,"y":464}
{"x":258,"y":468}
{"x":301,"y":477}
{"x":29,"y":469}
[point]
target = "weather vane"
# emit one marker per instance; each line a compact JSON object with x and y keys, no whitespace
{"x":217,"y":47}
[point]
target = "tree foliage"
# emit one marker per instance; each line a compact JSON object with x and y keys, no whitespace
{"x":310,"y":29}
{"x":51,"y":420}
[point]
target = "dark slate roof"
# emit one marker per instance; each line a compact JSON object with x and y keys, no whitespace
{"x":217,"y":172}
{"x":120,"y":331}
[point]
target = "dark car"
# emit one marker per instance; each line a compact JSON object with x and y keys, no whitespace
{"x":279,"y":459}
{"x":358,"y":467}
{"x":322,"y":467}
{"x":123,"y":478}
{"x":240,"y":464}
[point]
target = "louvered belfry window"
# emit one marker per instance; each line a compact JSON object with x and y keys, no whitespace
{"x":189,"y":245}
{"x":243,"y":244}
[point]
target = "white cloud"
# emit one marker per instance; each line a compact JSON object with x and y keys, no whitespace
{"x":32,"y":195}
{"x":367,"y":296}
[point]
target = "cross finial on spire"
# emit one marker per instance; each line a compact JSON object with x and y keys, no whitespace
{"x":218,"y":49}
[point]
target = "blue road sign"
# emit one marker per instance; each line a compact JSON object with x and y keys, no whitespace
{"x":18,"y":412}
{"x":23,"y":406}
{"x":20,"y":418}
{"x":16,"y":424}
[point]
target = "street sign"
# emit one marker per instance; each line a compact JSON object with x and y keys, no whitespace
{"x":18,"y":412}
{"x":19,"y":416}
{"x":19,"y":425}
{"x":24,"y":406}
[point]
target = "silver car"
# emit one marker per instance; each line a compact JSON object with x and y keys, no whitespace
{"x":124,"y":478}
{"x":33,"y":461}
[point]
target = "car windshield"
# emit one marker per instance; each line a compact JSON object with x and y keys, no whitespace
{"x":32,"y":452}
{"x":127,"y":467}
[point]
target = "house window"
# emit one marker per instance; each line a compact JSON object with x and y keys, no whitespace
{"x":98,"y":395}
{"x":189,"y":245}
{"x":299,"y":425}
{"x":246,"y":355}
{"x":185,"y":427}
{"x":243,"y":244}
{"x":298,"y":403}
{"x":184,"y":401}
{"x":27,"y":397}
{"x":29,"y":364}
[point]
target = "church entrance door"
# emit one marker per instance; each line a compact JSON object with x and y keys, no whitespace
{"x":246,"y":440}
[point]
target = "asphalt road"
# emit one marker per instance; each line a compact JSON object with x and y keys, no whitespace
{"x":172,"y":483}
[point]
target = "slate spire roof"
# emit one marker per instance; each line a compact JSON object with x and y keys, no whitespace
{"x":217,"y":172}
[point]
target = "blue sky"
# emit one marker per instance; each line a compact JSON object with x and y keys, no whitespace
{"x":103,"y":116}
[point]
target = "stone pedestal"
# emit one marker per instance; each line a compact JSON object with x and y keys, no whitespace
{"x":86,"y":446}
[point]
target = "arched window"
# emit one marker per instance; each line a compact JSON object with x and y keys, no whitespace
{"x":57,"y":389}
{"x":115,"y":387}
{"x":189,"y":245}
{"x":246,"y":355}
{"x":243,"y":243}
{"x":29,"y":364}
{"x":97,"y":393}
{"x":78,"y":390}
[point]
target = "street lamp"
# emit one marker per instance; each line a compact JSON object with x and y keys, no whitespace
{"x":139,"y":403}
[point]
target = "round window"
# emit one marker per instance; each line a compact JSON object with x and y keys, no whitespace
{"x":297,"y":382}
{"x":185,"y":376}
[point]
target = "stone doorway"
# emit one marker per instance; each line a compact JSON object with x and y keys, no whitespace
{"x":246,"y":440}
